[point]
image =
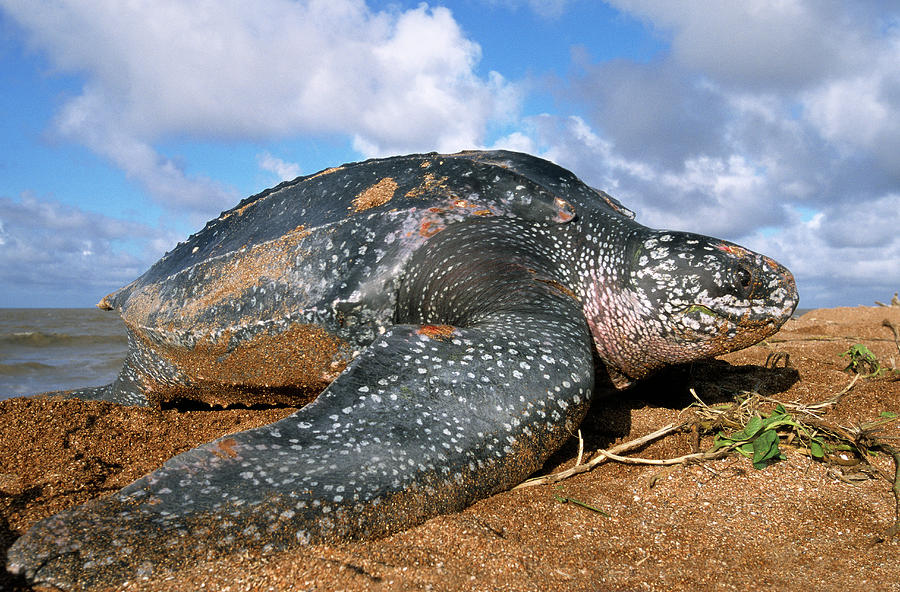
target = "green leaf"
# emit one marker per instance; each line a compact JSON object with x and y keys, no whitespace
{"x":774,"y":422}
{"x":861,"y":358}
{"x":816,"y":449}
{"x":563,"y":500}
{"x":753,"y":426}
{"x":779,"y":417}
{"x":765,"y":449}
{"x":720,"y":441}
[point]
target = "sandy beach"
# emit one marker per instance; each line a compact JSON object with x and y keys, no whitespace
{"x":800,"y":523}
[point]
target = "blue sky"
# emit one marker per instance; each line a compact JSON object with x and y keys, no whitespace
{"x":127,"y":125}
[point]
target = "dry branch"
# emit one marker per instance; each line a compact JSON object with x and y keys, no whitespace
{"x":887,"y":323}
{"x":600,"y":458}
{"x":678,"y":460}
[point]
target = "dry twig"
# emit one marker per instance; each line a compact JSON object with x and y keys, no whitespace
{"x":580,"y":448}
{"x":808,"y":409}
{"x":678,"y":460}
{"x":887,"y":323}
{"x":585,"y":467}
{"x":894,"y":530}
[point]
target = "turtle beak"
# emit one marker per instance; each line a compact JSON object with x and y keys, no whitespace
{"x":775,"y":291}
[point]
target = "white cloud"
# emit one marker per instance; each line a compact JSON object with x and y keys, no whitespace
{"x":516,"y":141}
{"x":835,"y":63}
{"x":59,"y":255}
{"x":157,"y":69}
{"x":862,"y":111}
{"x":764,"y":44}
{"x":630,"y":103}
{"x":286,"y":171}
{"x":164,"y":178}
{"x":723,"y":196}
{"x":874,"y":225}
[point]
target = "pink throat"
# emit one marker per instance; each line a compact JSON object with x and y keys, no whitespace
{"x":623,"y":336}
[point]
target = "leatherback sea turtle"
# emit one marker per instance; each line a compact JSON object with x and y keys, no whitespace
{"x":453,"y":306}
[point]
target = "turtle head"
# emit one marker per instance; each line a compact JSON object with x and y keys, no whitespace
{"x":685,"y":297}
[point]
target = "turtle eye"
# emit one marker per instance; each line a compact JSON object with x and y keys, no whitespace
{"x":743,"y":280}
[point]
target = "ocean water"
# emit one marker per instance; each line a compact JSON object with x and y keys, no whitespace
{"x":46,"y":349}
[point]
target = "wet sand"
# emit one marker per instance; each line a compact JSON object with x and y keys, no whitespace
{"x":720,"y":525}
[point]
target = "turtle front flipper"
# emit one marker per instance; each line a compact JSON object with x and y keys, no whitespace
{"x":427,"y":420}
